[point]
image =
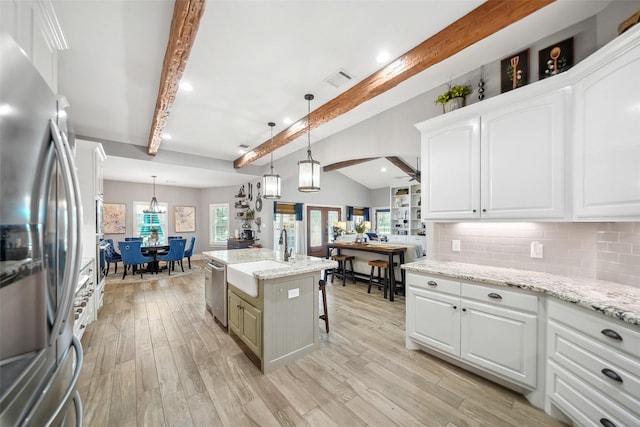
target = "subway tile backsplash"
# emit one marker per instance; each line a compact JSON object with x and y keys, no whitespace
{"x":607,"y":251}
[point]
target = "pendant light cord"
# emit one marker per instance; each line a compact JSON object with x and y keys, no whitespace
{"x":309,"y":98}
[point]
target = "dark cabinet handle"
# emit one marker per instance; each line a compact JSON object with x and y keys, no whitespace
{"x":474,"y":210}
{"x":494,"y":295}
{"x":455,"y":307}
{"x":611,"y":334}
{"x":611,"y":374}
{"x":432,"y":283}
{"x":484,"y":210}
{"x":606,"y":423}
{"x":464,"y":309}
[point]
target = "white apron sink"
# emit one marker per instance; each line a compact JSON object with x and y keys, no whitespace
{"x":241,"y":275}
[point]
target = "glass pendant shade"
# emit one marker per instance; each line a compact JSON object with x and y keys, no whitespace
{"x":308,"y":175}
{"x":272,"y":186}
{"x":308,"y":170}
{"x":271,"y":181}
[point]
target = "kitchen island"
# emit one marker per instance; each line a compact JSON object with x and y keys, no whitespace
{"x":272,"y":303}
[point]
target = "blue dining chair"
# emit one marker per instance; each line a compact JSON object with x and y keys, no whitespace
{"x":132,"y":255}
{"x":133,"y":239}
{"x":174,"y":237}
{"x":189,"y":252}
{"x":176,"y":253}
{"x":111,"y":256}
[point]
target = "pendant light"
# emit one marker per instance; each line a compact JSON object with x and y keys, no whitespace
{"x":153,"y":206}
{"x":308,"y":170}
{"x":271,"y":181}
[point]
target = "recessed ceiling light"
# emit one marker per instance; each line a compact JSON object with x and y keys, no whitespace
{"x":166,"y":136}
{"x":5,"y":109}
{"x":242,"y":148}
{"x":383,"y":169}
{"x":287,"y":121}
{"x":186,"y":86}
{"x":383,"y":57}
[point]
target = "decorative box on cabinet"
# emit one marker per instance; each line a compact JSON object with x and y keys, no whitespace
{"x":607,"y":125}
{"x":489,"y":328}
{"x":501,"y":159}
{"x":593,"y":373}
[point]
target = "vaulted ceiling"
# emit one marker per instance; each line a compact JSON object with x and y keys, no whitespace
{"x":252,"y":62}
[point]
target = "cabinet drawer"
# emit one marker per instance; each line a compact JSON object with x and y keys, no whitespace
{"x":434,"y":283}
{"x":500,"y":297}
{"x":615,"y":375}
{"x":583,"y":404}
{"x":614,"y":333}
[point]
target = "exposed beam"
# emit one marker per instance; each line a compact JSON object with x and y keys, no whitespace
{"x":346,"y":163}
{"x":184,"y":27}
{"x":488,"y":18}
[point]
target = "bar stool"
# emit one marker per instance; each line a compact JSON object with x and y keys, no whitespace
{"x":381,"y":264}
{"x":325,"y":316}
{"x":342,"y":267}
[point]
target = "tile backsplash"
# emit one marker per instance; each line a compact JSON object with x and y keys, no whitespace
{"x":607,"y":251}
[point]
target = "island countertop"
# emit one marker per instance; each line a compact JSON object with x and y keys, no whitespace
{"x":610,"y":298}
{"x":297,"y":264}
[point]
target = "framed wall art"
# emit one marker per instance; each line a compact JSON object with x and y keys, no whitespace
{"x":114,"y":218}
{"x":555,"y":59}
{"x":514,"y":71}
{"x":185,"y":218}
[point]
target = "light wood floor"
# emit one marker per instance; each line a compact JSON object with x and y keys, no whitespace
{"x":155,"y":357}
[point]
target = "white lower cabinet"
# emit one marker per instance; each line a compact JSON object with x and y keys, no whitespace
{"x":492,"y":329}
{"x":593,"y":373}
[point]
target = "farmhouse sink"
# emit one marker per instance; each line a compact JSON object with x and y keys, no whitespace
{"x":241,"y":275}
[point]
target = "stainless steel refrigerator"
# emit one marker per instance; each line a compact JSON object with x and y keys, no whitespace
{"x":40,"y":359}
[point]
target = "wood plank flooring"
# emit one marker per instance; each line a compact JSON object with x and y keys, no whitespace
{"x":155,"y":357}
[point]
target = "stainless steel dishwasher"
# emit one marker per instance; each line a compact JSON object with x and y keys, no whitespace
{"x":215,"y":290}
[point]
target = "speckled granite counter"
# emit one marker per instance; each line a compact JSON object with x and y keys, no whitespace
{"x":298,"y":264}
{"x":612,"y":299}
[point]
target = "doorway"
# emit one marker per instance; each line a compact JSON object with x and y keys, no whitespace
{"x":320,"y":221}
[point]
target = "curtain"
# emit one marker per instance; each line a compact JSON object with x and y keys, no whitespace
{"x":349,"y":213}
{"x":301,"y":239}
{"x":365,"y":213}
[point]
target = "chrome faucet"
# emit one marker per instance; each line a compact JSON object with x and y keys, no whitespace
{"x":287,"y":251}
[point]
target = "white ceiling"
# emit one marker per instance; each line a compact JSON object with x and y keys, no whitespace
{"x":252,"y":62}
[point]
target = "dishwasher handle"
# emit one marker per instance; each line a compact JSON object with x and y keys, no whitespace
{"x":217,"y":267}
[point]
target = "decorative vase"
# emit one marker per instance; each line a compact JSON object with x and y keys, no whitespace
{"x":453,"y":104}
{"x":359,"y":237}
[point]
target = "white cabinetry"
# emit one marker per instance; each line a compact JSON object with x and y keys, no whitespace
{"x":593,"y":373}
{"x":489,"y":328}
{"x":607,"y":129}
{"x":34,"y":26}
{"x":500,"y":160}
{"x":89,"y":160}
{"x":84,"y":300}
{"x":406,"y":210}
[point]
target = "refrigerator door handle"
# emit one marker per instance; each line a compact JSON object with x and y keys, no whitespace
{"x":73,"y":231}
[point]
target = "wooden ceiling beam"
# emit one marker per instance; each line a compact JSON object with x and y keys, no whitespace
{"x":346,"y":163}
{"x":184,"y":27}
{"x":488,"y":18}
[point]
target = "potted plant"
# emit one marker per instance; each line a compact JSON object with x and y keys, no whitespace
{"x":454,"y":97}
{"x":360,"y":228}
{"x":250,"y":213}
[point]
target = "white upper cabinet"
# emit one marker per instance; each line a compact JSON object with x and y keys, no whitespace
{"x":503,"y":159}
{"x":607,"y":134}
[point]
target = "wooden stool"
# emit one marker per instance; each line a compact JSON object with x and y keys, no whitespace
{"x":342,"y":267}
{"x":324,"y":316}
{"x":381,"y":264}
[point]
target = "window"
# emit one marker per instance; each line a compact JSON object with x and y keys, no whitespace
{"x":383,"y":221}
{"x":218,"y":224}
{"x":144,"y":222}
{"x":287,"y":221}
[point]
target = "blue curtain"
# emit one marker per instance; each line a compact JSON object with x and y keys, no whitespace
{"x":366,"y":214}
{"x":349,"y":213}
{"x":298,"y":211}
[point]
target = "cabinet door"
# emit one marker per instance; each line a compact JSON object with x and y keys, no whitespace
{"x":251,"y":326}
{"x":451,"y":176}
{"x":433,"y":319}
{"x":522,"y":159}
{"x":234,"y":312}
{"x":607,"y":142}
{"x":501,"y":340}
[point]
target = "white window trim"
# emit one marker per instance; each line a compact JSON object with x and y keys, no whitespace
{"x":213,"y":242}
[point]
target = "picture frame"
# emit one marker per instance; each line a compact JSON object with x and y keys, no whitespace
{"x":514,"y":71}
{"x":114,"y":218}
{"x":185,"y":218}
{"x":555,"y":59}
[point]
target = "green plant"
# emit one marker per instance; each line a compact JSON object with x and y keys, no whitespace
{"x":360,"y":227}
{"x":456,"y":91}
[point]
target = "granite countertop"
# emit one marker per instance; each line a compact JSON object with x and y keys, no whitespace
{"x":612,"y":299}
{"x":297,"y":264}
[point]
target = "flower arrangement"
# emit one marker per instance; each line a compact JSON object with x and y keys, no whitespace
{"x":361,"y":227}
{"x":457,"y":91}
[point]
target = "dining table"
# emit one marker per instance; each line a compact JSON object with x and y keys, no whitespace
{"x":153,"y":249}
{"x":384,"y":249}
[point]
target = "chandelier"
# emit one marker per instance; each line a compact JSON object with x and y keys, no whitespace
{"x":153,"y":205}
{"x":309,"y":169}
